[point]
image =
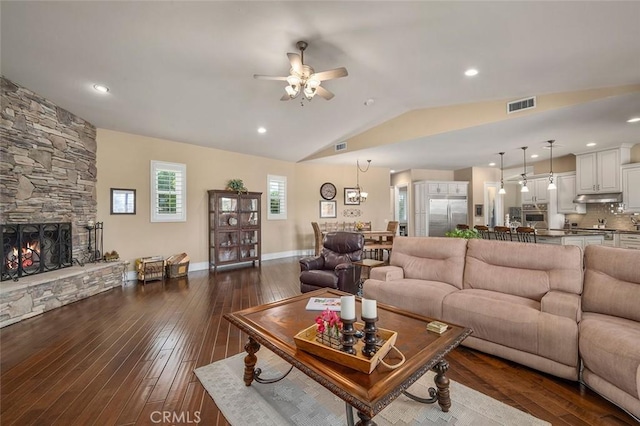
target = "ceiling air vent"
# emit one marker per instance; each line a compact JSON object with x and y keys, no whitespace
{"x":341,"y":146}
{"x":521,"y":104}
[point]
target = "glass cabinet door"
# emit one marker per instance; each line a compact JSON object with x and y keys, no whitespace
{"x":227,"y":212}
{"x":228,"y":246}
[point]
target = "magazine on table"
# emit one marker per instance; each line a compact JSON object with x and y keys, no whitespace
{"x":323,"y":303}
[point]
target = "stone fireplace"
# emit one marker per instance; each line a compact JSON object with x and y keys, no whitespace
{"x":48,"y":176}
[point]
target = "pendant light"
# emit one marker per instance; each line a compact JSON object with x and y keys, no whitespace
{"x":524,"y":173}
{"x":502,"y":191}
{"x":552,"y":185}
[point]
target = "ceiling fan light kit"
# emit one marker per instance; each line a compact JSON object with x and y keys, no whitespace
{"x":303,"y":79}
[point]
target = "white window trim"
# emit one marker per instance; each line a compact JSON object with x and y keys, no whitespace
{"x":180,"y":216}
{"x":280,"y":180}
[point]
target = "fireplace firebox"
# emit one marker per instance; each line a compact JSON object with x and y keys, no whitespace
{"x":29,"y":249}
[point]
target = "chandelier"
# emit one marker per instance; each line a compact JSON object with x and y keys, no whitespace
{"x":358,"y":195}
{"x":502,"y":190}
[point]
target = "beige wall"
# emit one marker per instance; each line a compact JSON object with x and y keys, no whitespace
{"x":123,"y":161}
{"x":635,"y":153}
{"x":566,"y":163}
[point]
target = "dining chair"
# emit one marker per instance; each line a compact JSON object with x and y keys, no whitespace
{"x":462,"y":226}
{"x":392,"y":226}
{"x":503,"y":233}
{"x":317,"y":234}
{"x":526,"y":234}
{"x":483,"y":231}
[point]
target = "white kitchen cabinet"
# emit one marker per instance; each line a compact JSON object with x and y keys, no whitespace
{"x":447,"y":188}
{"x":457,"y":188}
{"x":630,"y":241}
{"x":538,"y":192}
{"x":631,"y":187}
{"x":599,"y":172}
{"x":566,"y":183}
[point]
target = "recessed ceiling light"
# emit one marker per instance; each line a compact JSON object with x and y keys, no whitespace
{"x":633,"y":120}
{"x":100,"y":88}
{"x":534,"y":155}
{"x":492,"y":164}
{"x":262,"y":130}
{"x":471,"y":72}
{"x":591,"y":144}
{"x":392,"y":171}
{"x":369,"y":102}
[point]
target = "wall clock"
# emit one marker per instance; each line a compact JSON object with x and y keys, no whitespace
{"x":328,"y":191}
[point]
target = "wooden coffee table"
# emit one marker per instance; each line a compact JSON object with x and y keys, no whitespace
{"x":274,"y":325}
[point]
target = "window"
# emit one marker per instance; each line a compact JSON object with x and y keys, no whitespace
{"x":168,"y":192}
{"x":277,"y":189}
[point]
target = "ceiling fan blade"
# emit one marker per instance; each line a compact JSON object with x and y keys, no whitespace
{"x":324,"y":93}
{"x":296,"y":62}
{"x":269,"y":77}
{"x":285,"y":97}
{"x":331,"y":74}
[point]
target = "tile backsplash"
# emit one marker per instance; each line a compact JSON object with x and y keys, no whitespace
{"x":605,"y":211}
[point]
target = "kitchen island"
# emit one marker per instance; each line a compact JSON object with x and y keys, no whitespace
{"x":580,"y":238}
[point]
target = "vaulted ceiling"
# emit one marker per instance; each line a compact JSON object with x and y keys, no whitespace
{"x":183,"y":71}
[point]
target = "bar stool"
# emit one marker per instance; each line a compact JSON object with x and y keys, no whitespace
{"x":483,"y":231}
{"x":462,"y":226}
{"x":526,"y":234}
{"x":503,"y":233}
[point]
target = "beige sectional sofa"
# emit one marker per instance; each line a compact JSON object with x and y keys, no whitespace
{"x":610,"y":327}
{"x":523,"y":302}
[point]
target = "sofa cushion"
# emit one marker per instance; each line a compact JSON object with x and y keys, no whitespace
{"x":522,"y":269}
{"x":430,"y":258}
{"x":422,"y":297}
{"x":515,"y":322}
{"x":612,"y":282}
{"x":610,"y":348}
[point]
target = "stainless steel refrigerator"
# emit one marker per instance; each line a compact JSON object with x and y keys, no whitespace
{"x":445,"y":213}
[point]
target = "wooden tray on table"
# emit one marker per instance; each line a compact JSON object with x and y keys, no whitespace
{"x":306,"y":340}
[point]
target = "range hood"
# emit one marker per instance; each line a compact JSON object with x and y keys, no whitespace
{"x":614,"y":197}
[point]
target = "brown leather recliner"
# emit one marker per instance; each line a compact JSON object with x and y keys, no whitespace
{"x":334,"y":267}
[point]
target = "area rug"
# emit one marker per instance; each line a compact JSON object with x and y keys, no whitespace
{"x":298,"y":400}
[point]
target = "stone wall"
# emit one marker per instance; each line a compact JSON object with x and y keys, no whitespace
{"x":47,"y":164}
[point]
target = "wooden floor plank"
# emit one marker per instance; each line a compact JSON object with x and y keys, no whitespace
{"x":125,"y":355}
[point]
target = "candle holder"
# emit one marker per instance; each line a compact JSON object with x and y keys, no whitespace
{"x":348,"y":339}
{"x":370,"y":339}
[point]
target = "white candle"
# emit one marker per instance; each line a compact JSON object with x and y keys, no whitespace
{"x":369,"y":308}
{"x":90,"y":224}
{"x":348,"y":307}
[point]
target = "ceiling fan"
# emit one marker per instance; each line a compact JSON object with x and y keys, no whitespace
{"x":303,"y":79}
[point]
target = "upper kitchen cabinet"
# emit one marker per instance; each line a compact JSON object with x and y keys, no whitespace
{"x":599,"y":172}
{"x":538,"y":192}
{"x":631,"y":188}
{"x":566,"y":183}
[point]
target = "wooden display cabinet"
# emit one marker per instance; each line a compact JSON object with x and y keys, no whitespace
{"x":234,"y":227}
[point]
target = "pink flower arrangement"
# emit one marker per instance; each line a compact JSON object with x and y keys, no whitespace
{"x":329,"y":322}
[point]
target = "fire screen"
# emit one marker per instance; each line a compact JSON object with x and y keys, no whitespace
{"x":29,"y":249}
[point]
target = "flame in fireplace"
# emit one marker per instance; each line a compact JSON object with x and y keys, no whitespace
{"x":30,"y":256}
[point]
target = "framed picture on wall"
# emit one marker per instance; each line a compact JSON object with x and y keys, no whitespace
{"x":328,"y":209}
{"x":351,"y":193}
{"x":123,"y":201}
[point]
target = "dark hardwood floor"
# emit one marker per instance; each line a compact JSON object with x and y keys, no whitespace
{"x":121,"y":356}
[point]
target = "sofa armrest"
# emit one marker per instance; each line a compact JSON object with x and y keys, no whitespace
{"x":386,"y":273}
{"x":311,"y":263}
{"x":562,"y":304}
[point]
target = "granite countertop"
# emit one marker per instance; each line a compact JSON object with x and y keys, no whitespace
{"x":568,"y":233}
